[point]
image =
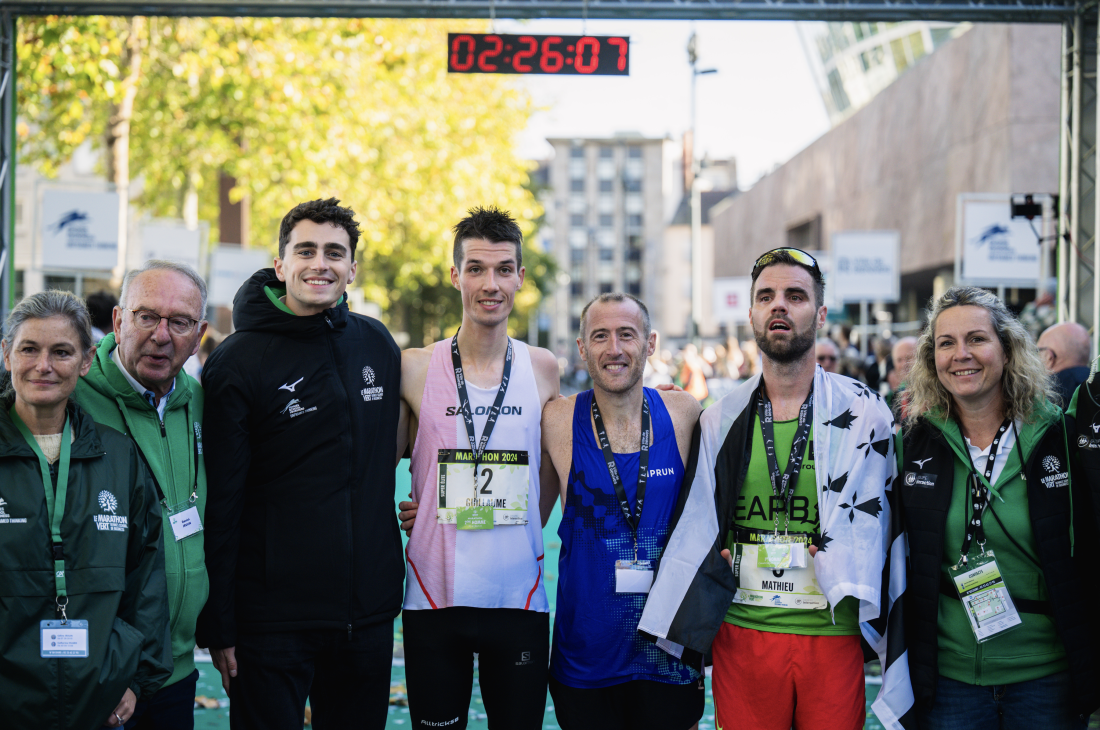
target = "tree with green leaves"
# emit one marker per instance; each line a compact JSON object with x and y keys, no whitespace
{"x":295,"y":109}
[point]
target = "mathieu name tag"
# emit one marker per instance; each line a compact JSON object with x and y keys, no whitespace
{"x":68,"y":639}
{"x":186,"y":523}
{"x":631,"y":577}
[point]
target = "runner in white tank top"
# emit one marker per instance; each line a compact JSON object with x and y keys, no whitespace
{"x":497,"y":568}
{"x":477,"y":591}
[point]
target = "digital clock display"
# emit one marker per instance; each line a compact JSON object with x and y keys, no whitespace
{"x":492,"y":53}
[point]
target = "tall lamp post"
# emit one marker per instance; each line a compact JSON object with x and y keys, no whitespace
{"x":698,"y":185}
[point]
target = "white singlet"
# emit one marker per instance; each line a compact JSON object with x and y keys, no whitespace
{"x":497,"y":568}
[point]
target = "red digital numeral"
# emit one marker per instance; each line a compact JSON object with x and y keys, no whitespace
{"x":551,"y":61}
{"x":622,"y":45}
{"x":456,"y":49}
{"x":484,"y":56}
{"x":594,"y":46}
{"x":532,"y":49}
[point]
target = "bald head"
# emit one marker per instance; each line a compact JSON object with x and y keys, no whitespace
{"x":1064,"y":346}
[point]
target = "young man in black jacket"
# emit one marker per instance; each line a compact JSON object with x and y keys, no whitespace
{"x":302,"y":547}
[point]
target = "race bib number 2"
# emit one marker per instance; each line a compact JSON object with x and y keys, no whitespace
{"x":503,"y":485}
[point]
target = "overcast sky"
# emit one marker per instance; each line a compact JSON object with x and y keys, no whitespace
{"x":762,"y":106}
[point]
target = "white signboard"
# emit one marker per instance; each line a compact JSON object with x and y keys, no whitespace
{"x":866,"y":266}
{"x":79,"y":230}
{"x":231,"y":266}
{"x":996,"y":250}
{"x":731,"y":299}
{"x":171,"y":242}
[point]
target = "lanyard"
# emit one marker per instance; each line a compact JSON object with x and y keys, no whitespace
{"x":980,"y":493}
{"x":784,"y":482}
{"x":616,"y":479}
{"x":55,"y":503}
{"x":467,"y":415}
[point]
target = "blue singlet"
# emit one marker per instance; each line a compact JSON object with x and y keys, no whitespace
{"x":596,"y":640}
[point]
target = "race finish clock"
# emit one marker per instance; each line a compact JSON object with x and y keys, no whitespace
{"x":492,"y":53}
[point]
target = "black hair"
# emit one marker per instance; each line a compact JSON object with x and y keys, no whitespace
{"x":321,"y":210}
{"x":492,"y":224}
{"x":101,"y":305}
{"x":780,"y":256}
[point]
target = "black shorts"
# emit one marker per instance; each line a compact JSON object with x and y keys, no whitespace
{"x":638,"y":705}
{"x":513,"y":648}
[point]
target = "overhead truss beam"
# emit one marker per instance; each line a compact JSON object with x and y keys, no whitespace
{"x":993,"y":11}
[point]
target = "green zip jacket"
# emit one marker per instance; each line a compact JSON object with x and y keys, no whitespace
{"x":173,"y":450}
{"x":114,"y":574}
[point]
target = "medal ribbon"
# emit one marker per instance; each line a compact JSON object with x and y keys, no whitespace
{"x":784,"y":482}
{"x":616,"y":480}
{"x":467,"y":415}
{"x":55,"y":503}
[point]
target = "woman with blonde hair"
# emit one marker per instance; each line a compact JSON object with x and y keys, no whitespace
{"x":999,"y":532}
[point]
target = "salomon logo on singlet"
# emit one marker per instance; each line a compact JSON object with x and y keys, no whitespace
{"x":482,"y":410}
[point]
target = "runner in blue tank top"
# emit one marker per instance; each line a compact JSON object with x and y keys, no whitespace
{"x":616,"y":455}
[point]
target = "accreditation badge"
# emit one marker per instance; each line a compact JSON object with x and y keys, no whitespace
{"x":184,"y":519}
{"x":499,"y":496}
{"x":633,"y":576}
{"x":985,"y":598}
{"x":66,"y":639}
{"x":775,"y":587}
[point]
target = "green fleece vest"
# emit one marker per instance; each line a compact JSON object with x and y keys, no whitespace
{"x":173,"y":451}
{"x":1034,"y":649}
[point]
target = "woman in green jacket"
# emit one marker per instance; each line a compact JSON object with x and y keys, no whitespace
{"x":83,"y":600}
{"x":1001,"y":537}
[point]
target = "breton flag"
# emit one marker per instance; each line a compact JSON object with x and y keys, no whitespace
{"x":855,"y":467}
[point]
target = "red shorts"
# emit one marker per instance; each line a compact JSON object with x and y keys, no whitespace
{"x":768,"y":681}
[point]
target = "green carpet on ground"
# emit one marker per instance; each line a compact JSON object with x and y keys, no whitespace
{"x":210,"y":681}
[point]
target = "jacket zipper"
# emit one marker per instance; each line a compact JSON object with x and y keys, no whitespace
{"x":350,"y":535}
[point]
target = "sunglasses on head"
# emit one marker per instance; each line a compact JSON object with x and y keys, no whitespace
{"x":781,"y":254}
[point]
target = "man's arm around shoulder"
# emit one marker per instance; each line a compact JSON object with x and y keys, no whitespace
{"x":557,"y":452}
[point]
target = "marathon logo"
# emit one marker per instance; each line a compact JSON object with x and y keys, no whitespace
{"x":918,"y":479}
{"x":1056,"y":481}
{"x":371,"y":394}
{"x":111,"y":523}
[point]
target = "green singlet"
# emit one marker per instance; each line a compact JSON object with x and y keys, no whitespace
{"x":757,"y":509}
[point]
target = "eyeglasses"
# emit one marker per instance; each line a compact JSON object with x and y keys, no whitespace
{"x":777,"y":254}
{"x":177,"y":323}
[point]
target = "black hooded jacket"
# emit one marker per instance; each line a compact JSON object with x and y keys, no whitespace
{"x":301,"y":429}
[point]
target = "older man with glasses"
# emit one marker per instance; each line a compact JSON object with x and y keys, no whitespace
{"x":828,"y":356}
{"x":136,"y":385}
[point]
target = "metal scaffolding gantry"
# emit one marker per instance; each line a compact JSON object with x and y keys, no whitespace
{"x":1079,"y":215}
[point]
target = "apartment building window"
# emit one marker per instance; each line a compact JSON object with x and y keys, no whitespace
{"x":575,"y":324}
{"x":606,"y":186}
{"x":576,"y":220}
{"x":607,"y":254}
{"x":605,"y":287}
{"x":634,"y":152}
{"x":605,"y":237}
{"x":576,"y":256}
{"x":605,"y":204}
{"x":576,"y":288}
{"x":634,"y":221}
{"x":576,"y":185}
{"x":634,"y":287}
{"x":805,"y":235}
{"x":607,"y":220}
{"x":605,"y":170}
{"x":577,"y":204}
{"x":606,"y":153}
{"x":634,"y":254}
{"x":633,"y":204}
{"x":633,"y":186}
{"x":578,"y":237}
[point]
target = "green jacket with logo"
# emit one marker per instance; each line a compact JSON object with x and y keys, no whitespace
{"x":173,"y":451}
{"x":114,"y":572}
